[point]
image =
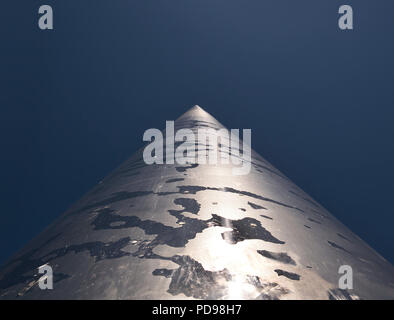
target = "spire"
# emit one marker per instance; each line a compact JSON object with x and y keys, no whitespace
{"x":166,"y":231}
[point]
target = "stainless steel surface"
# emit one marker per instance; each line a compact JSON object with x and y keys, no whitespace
{"x":197,"y":231}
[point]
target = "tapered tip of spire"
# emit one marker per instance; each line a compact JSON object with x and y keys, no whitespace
{"x":196,"y":107}
{"x":196,"y":113}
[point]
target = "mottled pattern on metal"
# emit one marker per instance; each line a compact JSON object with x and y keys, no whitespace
{"x":196,"y":232}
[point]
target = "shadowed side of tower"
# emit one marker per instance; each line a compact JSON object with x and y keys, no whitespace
{"x":196,"y":231}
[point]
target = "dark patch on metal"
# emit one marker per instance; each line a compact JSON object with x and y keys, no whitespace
{"x":307,"y":226}
{"x":175,"y":180}
{"x":23,"y":272}
{"x":166,"y":193}
{"x":195,"y":189}
{"x":214,"y":203}
{"x":162,"y":272}
{"x":278,"y":256}
{"x":267,"y":217}
{"x":242,"y":209}
{"x":192,"y":280}
{"x":270,"y":290}
{"x":256,"y":206}
{"x":189,"y":205}
{"x":183,"y":169}
{"x":174,"y":237}
{"x":117,"y":224}
{"x":289,"y":275}
{"x":334,"y":245}
{"x":247,"y":228}
{"x":99,"y":250}
{"x":343,"y":237}
{"x":315,"y":221}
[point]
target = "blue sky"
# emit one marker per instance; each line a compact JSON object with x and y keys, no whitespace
{"x":75,"y":101}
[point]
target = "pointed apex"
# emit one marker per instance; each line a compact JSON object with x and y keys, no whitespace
{"x":196,"y":107}
{"x":195,"y":112}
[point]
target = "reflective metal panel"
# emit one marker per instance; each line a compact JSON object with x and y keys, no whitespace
{"x":197,"y":231}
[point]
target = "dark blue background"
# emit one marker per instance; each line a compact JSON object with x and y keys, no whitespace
{"x":75,"y":101}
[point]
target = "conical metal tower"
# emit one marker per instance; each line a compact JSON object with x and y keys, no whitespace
{"x":196,"y":231}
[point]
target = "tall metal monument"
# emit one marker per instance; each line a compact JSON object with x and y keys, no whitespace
{"x":196,"y":231}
